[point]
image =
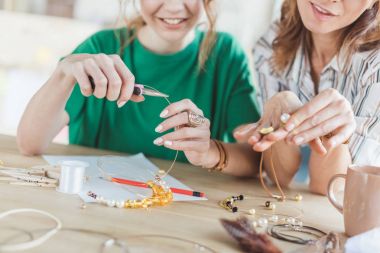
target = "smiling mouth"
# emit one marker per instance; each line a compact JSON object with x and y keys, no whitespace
{"x":173,"y":21}
{"x":323,"y":11}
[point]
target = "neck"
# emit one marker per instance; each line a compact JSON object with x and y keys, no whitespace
{"x":152,"y":41}
{"x":325,"y":47}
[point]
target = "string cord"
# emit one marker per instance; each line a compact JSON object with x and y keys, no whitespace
{"x":35,"y":242}
{"x":176,"y":155}
{"x":109,"y":242}
{"x":274,"y":175}
{"x":109,"y":177}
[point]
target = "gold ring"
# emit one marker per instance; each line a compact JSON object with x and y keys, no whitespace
{"x":195,"y":120}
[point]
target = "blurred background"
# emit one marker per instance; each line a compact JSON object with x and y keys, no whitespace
{"x":36,"y":33}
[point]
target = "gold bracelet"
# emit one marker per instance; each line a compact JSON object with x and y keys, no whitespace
{"x":223,"y":157}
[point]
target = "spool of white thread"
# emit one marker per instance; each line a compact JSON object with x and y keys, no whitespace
{"x":72,"y":176}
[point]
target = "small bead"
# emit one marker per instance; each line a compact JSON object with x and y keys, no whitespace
{"x":110,"y":203}
{"x":120,"y":204}
{"x":270,"y":205}
{"x":284,"y":118}
{"x":298,"y":197}
{"x":252,"y":211}
{"x":262,"y":222}
{"x":290,"y":220}
{"x":254,"y":224}
{"x":240,"y":197}
{"x":274,"y":218}
{"x":298,"y":223}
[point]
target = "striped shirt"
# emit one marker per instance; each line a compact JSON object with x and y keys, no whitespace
{"x":360,"y":85}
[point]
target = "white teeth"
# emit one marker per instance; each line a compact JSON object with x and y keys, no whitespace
{"x":173,"y":21}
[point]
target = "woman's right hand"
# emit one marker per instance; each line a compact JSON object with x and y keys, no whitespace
{"x":111,"y":76}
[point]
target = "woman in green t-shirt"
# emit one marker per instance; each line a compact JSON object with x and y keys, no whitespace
{"x":203,"y":72}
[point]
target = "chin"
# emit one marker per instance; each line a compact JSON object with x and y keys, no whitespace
{"x":318,"y":28}
{"x":173,"y":36}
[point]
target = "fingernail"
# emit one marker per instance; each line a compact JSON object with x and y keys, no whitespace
{"x":121,"y":104}
{"x":332,"y":144}
{"x":298,"y":140}
{"x":158,"y":128}
{"x":289,"y":127}
{"x":164,"y":113}
{"x":158,"y":141}
{"x":253,"y":138}
{"x":168,"y":143}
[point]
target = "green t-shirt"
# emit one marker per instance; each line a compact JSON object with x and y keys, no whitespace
{"x":224,"y":91}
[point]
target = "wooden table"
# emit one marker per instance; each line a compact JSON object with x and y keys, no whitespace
{"x":197,"y":221}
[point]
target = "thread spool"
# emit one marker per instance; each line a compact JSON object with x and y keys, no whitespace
{"x":72,"y":176}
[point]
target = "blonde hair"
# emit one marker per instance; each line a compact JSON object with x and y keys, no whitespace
{"x":362,"y":35}
{"x":135,"y":23}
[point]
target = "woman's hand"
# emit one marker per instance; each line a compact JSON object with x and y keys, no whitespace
{"x":194,"y":141}
{"x":283,"y":102}
{"x":112,"y":78}
{"x":328,"y":112}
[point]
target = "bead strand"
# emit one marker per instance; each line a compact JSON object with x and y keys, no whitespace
{"x":161,"y":196}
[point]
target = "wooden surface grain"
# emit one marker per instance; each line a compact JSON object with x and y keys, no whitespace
{"x":197,"y":221}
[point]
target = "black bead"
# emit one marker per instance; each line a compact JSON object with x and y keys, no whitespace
{"x":267,"y":204}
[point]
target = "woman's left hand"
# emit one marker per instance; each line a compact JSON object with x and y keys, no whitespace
{"x":282,"y":102}
{"x":193,"y":140}
{"x":328,"y":112}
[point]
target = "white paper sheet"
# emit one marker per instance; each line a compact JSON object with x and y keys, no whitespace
{"x":136,"y":167}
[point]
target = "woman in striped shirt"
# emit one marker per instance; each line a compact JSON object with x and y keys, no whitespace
{"x":321,"y":64}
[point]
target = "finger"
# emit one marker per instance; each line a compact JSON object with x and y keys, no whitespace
{"x":317,"y":146}
{"x":107,"y":66}
{"x":100,"y":80}
{"x":320,"y":130}
{"x":263,"y":145}
{"x":137,"y":99}
{"x":186,"y":133}
{"x":326,"y":113}
{"x":128,"y":82}
{"x":172,"y":122}
{"x":180,"y":106}
{"x":195,"y":146}
{"x":242,"y":133}
{"x":277,"y":135}
{"x":311,"y":108}
{"x":257,"y":136}
{"x":340,"y":136}
{"x":81,"y":77}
